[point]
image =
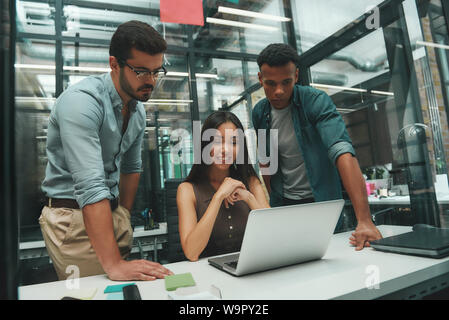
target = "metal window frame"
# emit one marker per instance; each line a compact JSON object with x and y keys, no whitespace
{"x":445,"y":6}
{"x":9,"y":220}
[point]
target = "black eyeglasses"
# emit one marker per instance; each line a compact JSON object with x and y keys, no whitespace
{"x":145,"y":74}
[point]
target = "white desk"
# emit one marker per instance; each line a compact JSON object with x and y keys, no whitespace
{"x":341,"y":274}
{"x":404,"y":200}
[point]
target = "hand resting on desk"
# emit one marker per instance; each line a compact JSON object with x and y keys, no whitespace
{"x":364,"y":233}
{"x":138,"y":270}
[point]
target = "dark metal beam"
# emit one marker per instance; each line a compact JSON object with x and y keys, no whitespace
{"x":445,"y":5}
{"x":194,"y":108}
{"x":9,"y":220}
{"x":289,"y":26}
{"x":59,"y":59}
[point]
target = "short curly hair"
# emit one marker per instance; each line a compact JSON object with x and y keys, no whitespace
{"x":138,"y":35}
{"x":278,"y":54}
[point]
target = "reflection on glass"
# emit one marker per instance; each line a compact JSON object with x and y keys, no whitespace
{"x":308,"y":17}
{"x":389,"y":119}
{"x":257,"y":95}
{"x":144,"y":4}
{"x":253,"y":70}
{"x":34,"y":98}
{"x":432,"y":69}
{"x":83,"y":60}
{"x":35,"y":70}
{"x":169,"y":129}
{"x":242,"y":112}
{"x":35,"y":17}
{"x":359,"y":62}
{"x":240,"y":32}
{"x":215,"y":93}
{"x":100,"y":23}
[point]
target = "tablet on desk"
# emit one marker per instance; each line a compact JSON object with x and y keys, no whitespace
{"x":432,"y":243}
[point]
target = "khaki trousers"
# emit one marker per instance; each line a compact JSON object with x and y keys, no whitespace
{"x":69,"y":246}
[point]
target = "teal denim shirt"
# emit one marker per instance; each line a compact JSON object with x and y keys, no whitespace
{"x":322,"y":138}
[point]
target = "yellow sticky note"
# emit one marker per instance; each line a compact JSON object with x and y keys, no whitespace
{"x":83,"y":294}
{"x":179,"y":280}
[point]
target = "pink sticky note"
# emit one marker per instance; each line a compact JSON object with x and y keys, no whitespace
{"x":182,"y":11}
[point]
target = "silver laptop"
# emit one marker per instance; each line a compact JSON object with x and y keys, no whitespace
{"x":282,"y":236}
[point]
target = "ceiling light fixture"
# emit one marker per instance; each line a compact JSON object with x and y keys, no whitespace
{"x":252,"y":14}
{"x":34,"y":66}
{"x":319,"y":85}
{"x":165,"y":103}
{"x":198,"y":75}
{"x":102,"y":70}
{"x":206,"y":75}
{"x":35,"y":99}
{"x":434,"y":45}
{"x":68,"y":68}
{"x":385,"y":93}
{"x":177,"y":74}
{"x":88,"y":69}
{"x":240,"y":24}
{"x":169,"y":100}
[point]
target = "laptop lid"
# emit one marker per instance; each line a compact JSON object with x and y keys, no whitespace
{"x":282,"y":236}
{"x":432,"y":242}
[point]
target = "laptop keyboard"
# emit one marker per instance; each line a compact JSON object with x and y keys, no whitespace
{"x":232,"y":264}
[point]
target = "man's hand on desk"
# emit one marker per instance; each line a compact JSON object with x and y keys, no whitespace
{"x":364,"y":233}
{"x":137,"y":270}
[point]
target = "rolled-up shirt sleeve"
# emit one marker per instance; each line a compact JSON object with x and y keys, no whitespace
{"x":132,"y":158}
{"x":340,"y":148}
{"x":79,"y":117}
{"x":331,"y":127}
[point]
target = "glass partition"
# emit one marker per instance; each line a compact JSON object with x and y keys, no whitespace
{"x":99,"y":20}
{"x":382,"y":85}
{"x":219,"y":83}
{"x":35,"y":96}
{"x":308,"y":16}
{"x":432,"y":51}
{"x":46,"y":60}
{"x":35,"y":17}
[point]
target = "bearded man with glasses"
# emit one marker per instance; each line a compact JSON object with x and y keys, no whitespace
{"x":94,"y":141}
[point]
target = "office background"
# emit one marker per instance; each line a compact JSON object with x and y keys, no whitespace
{"x":383,"y":63}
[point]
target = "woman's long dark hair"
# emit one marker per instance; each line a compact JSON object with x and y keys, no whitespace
{"x":241,"y":172}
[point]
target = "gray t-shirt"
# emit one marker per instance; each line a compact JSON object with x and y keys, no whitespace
{"x":291,"y":163}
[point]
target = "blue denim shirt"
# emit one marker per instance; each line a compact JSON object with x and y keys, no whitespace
{"x":322,"y":138}
{"x":85,"y":147}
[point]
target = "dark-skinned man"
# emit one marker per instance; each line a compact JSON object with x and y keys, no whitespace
{"x":314,"y":149}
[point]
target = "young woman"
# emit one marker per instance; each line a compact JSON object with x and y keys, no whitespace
{"x":215,"y":199}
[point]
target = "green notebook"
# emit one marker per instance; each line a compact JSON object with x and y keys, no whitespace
{"x":179,"y":280}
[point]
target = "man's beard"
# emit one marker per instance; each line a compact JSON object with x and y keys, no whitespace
{"x":126,"y":87}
